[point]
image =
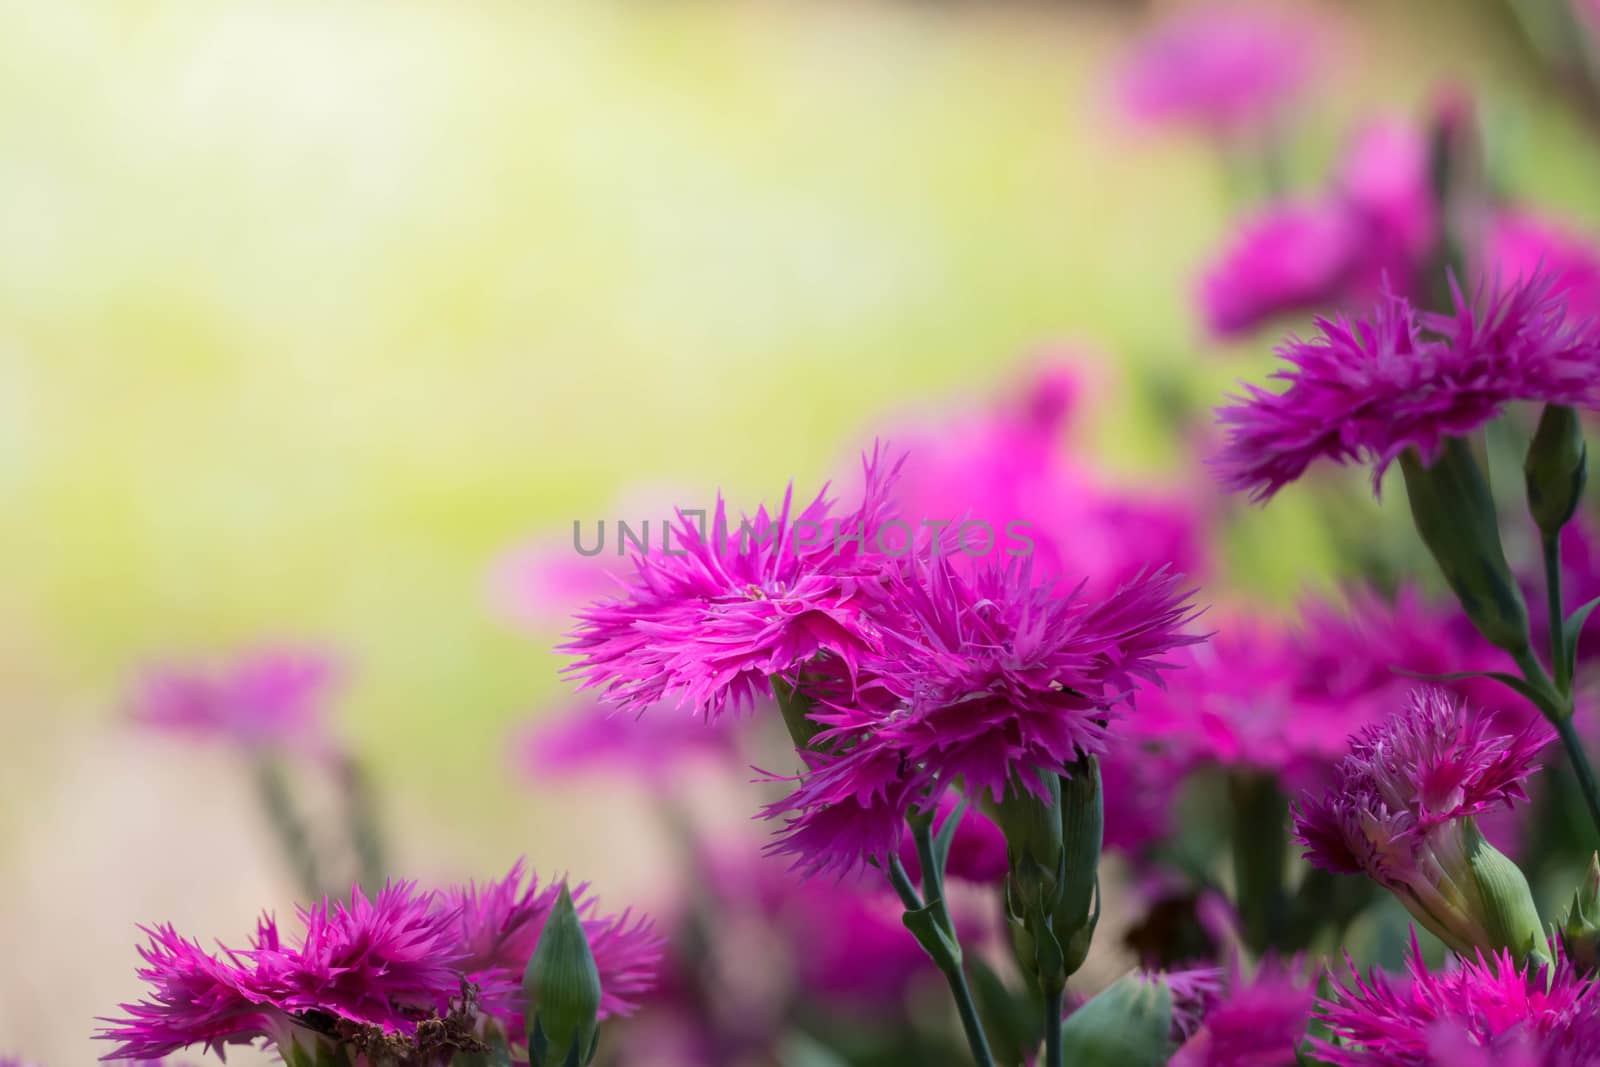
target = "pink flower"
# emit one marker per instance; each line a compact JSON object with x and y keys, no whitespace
{"x":1257,"y":1022}
{"x":590,"y":738}
{"x":496,"y":927}
{"x":1534,"y":1015}
{"x":1001,"y":476}
{"x":712,"y":621}
{"x":265,"y":698}
{"x":1229,"y":71}
{"x":384,"y":962}
{"x":1403,"y":804}
{"x":1375,"y":226}
{"x":1290,"y":256}
{"x":981,"y":680}
{"x":1370,"y":388}
{"x":1521,"y":244}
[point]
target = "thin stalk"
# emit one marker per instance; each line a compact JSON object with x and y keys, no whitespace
{"x":902,"y":884}
{"x":1052,"y":1028}
{"x":1560,"y":662}
{"x":361,"y":818}
{"x":970,"y":1024}
{"x":949,"y":963}
{"x":273,"y":790}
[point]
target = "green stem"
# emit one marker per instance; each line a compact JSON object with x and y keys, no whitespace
{"x":1052,"y":1028}
{"x":949,"y":963}
{"x":1580,"y":764}
{"x":970,"y":1024}
{"x":902,"y":884}
{"x":1559,"y":660}
{"x":273,"y":790}
{"x":361,"y":818}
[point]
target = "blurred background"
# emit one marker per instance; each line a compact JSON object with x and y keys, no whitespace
{"x":310,"y":313}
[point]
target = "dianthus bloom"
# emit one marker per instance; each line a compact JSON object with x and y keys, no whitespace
{"x":1402,"y":811}
{"x":1521,"y":244}
{"x":1229,"y":71}
{"x":589,"y":738}
{"x":712,"y":621}
{"x":1368,"y":389}
{"x":982,"y":680}
{"x":383,"y":963}
{"x":270,"y":697}
{"x":498,"y":927}
{"x":1376,"y":224}
{"x":1259,"y":1021}
{"x":1000,"y":476}
{"x":364,"y":974}
{"x":1486,"y":1010}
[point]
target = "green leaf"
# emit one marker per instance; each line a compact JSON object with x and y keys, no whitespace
{"x":1505,"y":678}
{"x":946,"y":836}
{"x":1010,"y":1019}
{"x":1572,"y":629}
{"x":935,"y":941}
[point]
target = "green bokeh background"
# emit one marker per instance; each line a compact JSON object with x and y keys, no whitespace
{"x":309,"y":310}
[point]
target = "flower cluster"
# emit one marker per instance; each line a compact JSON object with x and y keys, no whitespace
{"x":1489,"y":1009}
{"x":403,"y":966}
{"x":1369,"y":388}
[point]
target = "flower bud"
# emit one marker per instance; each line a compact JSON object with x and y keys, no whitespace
{"x":1031,"y":822}
{"x":1126,"y":1025}
{"x":562,"y":991}
{"x":1082,"y":828}
{"x":1509,"y":914}
{"x":1556,"y":468}
{"x":1453,"y":509}
{"x":1580,"y":931}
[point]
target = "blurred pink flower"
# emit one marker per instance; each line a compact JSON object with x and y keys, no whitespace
{"x":589,"y":738}
{"x":1004,"y":467}
{"x":1259,"y":1021}
{"x":1521,"y":244}
{"x":540,"y":585}
{"x":263,"y":698}
{"x":1227,"y":70}
{"x":1373,"y":228}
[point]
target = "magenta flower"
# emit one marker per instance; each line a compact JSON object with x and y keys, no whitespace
{"x":496,"y":927}
{"x":386,"y":962}
{"x":1229,"y":71}
{"x":981,"y":680}
{"x":265,"y":698}
{"x":1290,"y":256}
{"x":1375,"y":226}
{"x":1486,"y":1010}
{"x":590,"y":738}
{"x":711,"y":622}
{"x":1368,"y":389}
{"x":1521,"y":244}
{"x":1257,"y":1022}
{"x":1403,"y":805}
{"x":1001,"y":478}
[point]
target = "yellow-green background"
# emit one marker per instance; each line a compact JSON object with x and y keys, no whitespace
{"x":309,"y":309}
